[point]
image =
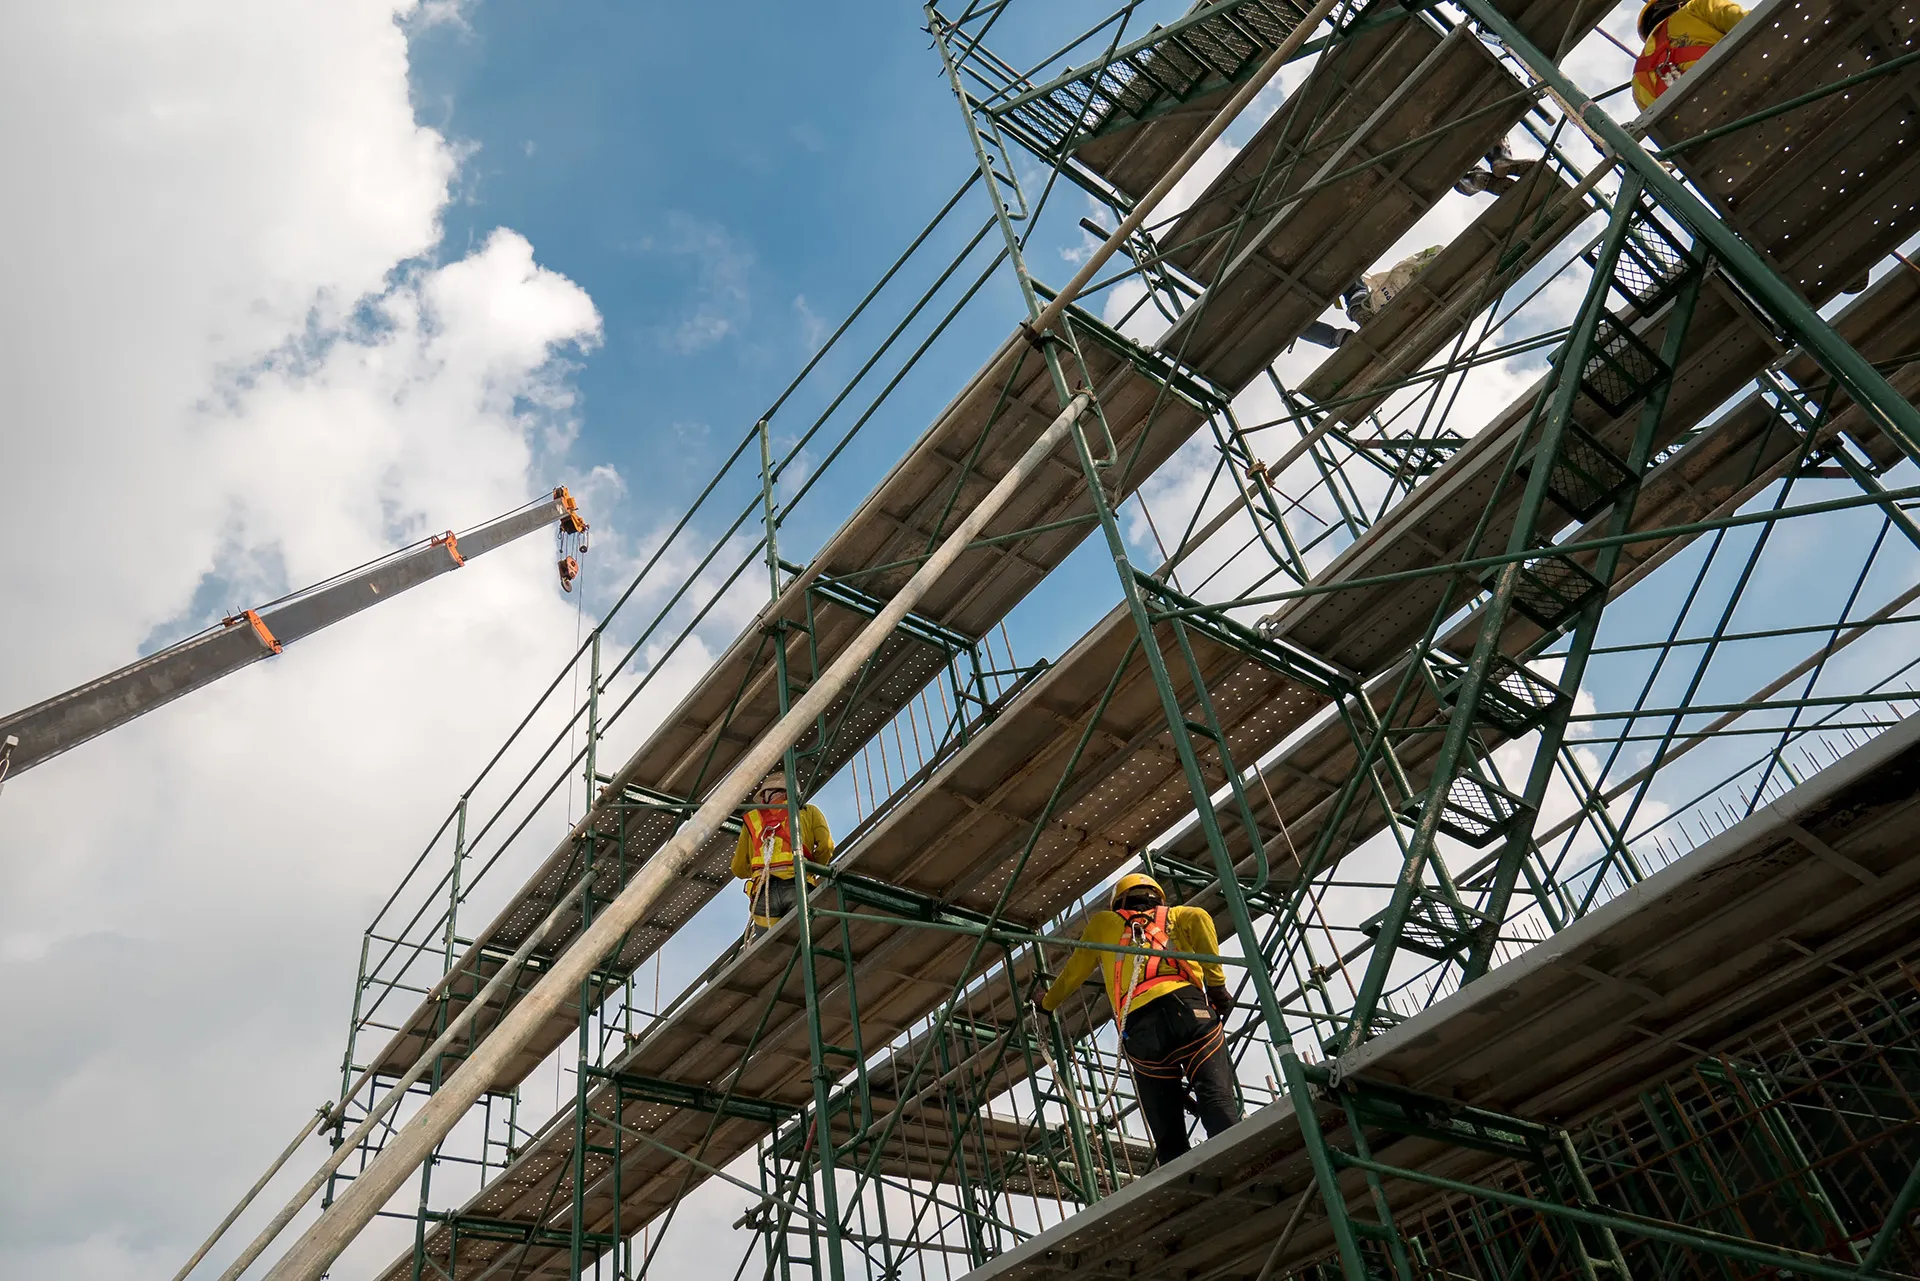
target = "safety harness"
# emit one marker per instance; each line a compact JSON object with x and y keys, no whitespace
{"x":770,"y":837}
{"x":1664,"y":61}
{"x":1157,"y":973}
{"x":1160,"y":974}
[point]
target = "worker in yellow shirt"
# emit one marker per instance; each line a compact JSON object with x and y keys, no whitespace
{"x":1169,"y":1012}
{"x":1678,"y":34}
{"x":763,"y":858}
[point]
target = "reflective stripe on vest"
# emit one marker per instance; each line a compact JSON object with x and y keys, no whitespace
{"x":770,"y":836}
{"x":1159,"y":973}
{"x":1664,"y":61}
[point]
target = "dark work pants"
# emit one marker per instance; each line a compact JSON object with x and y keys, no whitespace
{"x":770,"y":904}
{"x":1176,"y":1041}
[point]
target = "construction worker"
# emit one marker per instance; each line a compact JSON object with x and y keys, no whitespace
{"x":1678,"y":34}
{"x":1169,"y":1012}
{"x":1498,"y":172}
{"x":1321,"y":334}
{"x":763,"y":858}
{"x":1366,"y":296}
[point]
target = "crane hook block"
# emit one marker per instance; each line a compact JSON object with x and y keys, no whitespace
{"x":570,"y":521}
{"x":569,"y":570}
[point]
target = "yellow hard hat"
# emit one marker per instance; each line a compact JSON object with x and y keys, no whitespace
{"x":1134,"y":881}
{"x":1651,"y":15}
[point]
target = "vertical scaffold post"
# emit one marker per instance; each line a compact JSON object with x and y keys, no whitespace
{"x":818,"y":1048}
{"x":770,"y":512}
{"x":589,"y":844}
{"x":440,"y":1025}
{"x":1040,"y":325}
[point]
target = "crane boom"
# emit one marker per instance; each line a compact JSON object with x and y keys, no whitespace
{"x":49,"y":728}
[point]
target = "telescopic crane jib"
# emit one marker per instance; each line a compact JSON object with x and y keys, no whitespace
{"x":49,"y":728}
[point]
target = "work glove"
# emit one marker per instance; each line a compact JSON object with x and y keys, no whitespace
{"x":1035,"y":994}
{"x":1220,"y":999}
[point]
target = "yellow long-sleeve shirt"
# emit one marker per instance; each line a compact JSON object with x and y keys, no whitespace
{"x":1189,"y":929}
{"x":1679,"y":41}
{"x":816,"y":843}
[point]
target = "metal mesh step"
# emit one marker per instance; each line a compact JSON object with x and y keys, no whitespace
{"x":1474,"y":811}
{"x":1652,"y":263}
{"x":1221,"y":45}
{"x":1514,"y":698}
{"x":1552,"y":588}
{"x":1620,"y":368}
{"x":1586,"y":476}
{"x":1435,"y":926}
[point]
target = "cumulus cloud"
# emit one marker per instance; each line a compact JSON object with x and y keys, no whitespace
{"x":238,"y":360}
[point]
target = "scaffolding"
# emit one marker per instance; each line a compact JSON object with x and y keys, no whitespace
{"x":1521,"y":687}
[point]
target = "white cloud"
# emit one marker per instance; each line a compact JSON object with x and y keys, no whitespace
{"x":814,"y":327}
{"x":720,"y":266}
{"x":235,"y":365}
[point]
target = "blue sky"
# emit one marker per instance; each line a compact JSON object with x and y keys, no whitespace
{"x":720,"y":208}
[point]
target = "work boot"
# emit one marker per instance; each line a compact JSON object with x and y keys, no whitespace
{"x":1473,"y":182}
{"x":1357,"y":302}
{"x":1476,"y":181}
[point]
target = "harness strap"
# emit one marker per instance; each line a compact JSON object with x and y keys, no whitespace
{"x":1665,"y":60}
{"x":1185,"y":1060}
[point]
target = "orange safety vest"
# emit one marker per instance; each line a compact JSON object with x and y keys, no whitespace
{"x":1664,"y":61}
{"x":1161,"y":974}
{"x":770,"y":834}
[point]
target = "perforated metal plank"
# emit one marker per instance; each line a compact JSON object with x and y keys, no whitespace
{"x":1794,"y":185}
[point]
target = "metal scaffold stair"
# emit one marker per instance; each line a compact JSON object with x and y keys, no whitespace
{"x":1214,"y":48}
